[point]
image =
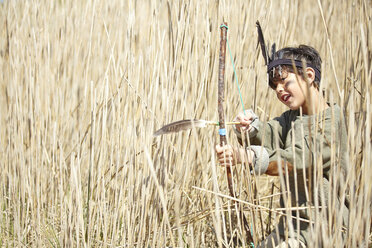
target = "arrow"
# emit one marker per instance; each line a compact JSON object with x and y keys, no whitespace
{"x":182,"y":125}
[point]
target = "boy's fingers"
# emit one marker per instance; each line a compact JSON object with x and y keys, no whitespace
{"x":245,"y":121}
{"x":224,"y":152}
{"x":225,"y":161}
{"x":241,"y":118}
{"x":221,"y":149}
{"x":223,"y":158}
{"x":218,"y":149}
{"x":225,"y":155}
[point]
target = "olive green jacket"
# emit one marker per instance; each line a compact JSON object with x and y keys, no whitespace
{"x":316,"y":148}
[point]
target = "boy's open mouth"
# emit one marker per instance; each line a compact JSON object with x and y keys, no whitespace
{"x":285,"y":97}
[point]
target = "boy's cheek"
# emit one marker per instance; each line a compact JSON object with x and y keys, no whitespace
{"x":278,"y":97}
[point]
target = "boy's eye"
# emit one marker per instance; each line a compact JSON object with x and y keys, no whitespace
{"x":288,"y":83}
{"x":275,"y":85}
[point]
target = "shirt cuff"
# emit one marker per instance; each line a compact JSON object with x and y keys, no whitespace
{"x":260,"y":160}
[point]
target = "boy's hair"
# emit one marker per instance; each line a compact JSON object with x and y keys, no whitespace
{"x":284,"y":58}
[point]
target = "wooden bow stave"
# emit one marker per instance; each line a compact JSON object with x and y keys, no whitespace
{"x":221,"y":116}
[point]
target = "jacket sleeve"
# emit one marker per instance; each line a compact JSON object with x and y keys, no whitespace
{"x":265,"y":133}
{"x":301,"y":142}
{"x":308,"y":142}
{"x":262,"y":138}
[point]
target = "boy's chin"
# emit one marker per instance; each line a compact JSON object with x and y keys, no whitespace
{"x":293,"y":106}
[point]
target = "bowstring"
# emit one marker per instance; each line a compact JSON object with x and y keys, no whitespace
{"x":235,"y":75}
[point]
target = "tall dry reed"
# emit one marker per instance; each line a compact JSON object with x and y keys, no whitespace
{"x":84,"y":84}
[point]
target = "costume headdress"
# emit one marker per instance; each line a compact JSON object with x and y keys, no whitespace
{"x":273,"y":62}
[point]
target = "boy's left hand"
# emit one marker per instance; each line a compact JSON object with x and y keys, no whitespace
{"x":227,"y":155}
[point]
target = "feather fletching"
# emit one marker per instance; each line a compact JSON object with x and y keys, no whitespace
{"x":186,"y":125}
{"x":180,"y":126}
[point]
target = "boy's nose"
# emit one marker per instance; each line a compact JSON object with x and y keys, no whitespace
{"x":279,"y":88}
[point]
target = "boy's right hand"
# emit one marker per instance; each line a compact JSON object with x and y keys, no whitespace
{"x":245,"y":120}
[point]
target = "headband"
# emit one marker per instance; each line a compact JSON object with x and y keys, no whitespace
{"x":297,"y":63}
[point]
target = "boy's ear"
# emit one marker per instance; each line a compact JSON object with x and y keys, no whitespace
{"x":310,"y":74}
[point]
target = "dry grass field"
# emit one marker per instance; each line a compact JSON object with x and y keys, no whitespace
{"x":84,"y":85}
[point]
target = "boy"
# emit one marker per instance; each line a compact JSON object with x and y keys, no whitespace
{"x":306,"y":146}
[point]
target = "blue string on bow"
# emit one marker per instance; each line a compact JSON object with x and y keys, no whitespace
{"x":232,"y":61}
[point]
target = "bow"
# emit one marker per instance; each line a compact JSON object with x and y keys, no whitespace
{"x":221,"y":116}
{"x":188,"y":124}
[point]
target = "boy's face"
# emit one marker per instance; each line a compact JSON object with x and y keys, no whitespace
{"x":291,"y":90}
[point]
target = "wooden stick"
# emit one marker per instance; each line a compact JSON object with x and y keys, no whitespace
{"x":221,"y":117}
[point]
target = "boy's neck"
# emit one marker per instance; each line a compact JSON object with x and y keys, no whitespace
{"x":315,"y":103}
